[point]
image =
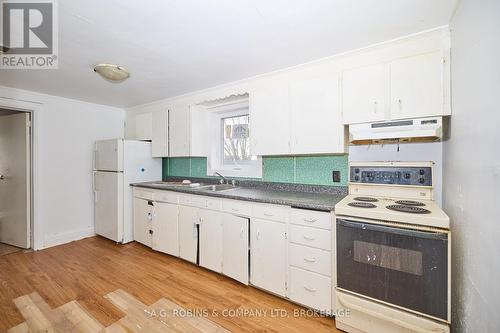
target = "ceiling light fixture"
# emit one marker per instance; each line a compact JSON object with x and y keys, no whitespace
{"x":112,"y":72}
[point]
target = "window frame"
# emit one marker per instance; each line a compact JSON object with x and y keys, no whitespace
{"x":215,"y":160}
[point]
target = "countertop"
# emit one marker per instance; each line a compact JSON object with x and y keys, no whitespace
{"x":298,"y":199}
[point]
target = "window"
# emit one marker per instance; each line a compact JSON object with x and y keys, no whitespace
{"x":230,"y":148}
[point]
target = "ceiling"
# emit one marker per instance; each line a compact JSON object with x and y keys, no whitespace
{"x":173,"y":47}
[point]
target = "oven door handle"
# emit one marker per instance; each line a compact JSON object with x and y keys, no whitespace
{"x":375,"y":314}
{"x":393,"y":230}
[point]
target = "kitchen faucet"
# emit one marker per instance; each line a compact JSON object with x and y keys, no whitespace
{"x":222,"y":178}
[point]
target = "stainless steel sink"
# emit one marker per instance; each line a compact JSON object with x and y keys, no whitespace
{"x":216,"y":188}
{"x":179,"y":184}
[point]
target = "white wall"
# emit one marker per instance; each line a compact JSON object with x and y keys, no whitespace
{"x":472,"y":166}
{"x":407,"y":152}
{"x":65,"y":131}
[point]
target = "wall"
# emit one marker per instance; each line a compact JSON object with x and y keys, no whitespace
{"x":472,"y":164}
{"x":65,"y":131}
{"x":315,"y":170}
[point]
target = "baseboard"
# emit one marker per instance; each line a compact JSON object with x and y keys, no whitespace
{"x":66,"y":237}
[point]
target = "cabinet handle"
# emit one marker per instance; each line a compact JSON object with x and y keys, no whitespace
{"x":309,"y":260}
{"x":375,"y":104}
{"x":241,"y":232}
{"x":268,"y":214}
{"x":258,"y":235}
{"x":235,"y":209}
{"x":309,"y":238}
{"x":311,"y":220}
{"x":150,"y":216}
{"x":309,"y":289}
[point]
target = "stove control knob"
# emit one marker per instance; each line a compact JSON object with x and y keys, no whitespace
{"x":421,"y":171}
{"x":356,"y":178}
{"x":407,"y":175}
{"x":421,"y":180}
{"x":356,"y":170}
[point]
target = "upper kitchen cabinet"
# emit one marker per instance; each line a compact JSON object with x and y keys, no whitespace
{"x":179,"y":136}
{"x":410,"y":87}
{"x":160,"y":133}
{"x":270,"y":119}
{"x":417,"y":88}
{"x":316,"y":122}
{"x":144,"y":126}
{"x":363,"y":94}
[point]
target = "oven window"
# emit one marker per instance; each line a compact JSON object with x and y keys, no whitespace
{"x":390,"y":257}
{"x":407,"y":268}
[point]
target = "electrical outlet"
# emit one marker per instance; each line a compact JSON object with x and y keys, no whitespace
{"x":336,"y":176}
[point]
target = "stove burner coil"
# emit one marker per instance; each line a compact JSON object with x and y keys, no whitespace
{"x":361,"y":204}
{"x":410,"y":203}
{"x":366,"y":199}
{"x":408,"y":209}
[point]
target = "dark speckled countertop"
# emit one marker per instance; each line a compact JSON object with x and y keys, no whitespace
{"x":322,"y":198}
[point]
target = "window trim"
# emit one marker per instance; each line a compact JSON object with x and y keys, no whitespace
{"x":215,"y":160}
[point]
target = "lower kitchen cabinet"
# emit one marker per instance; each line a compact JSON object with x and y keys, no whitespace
{"x":211,"y":239}
{"x":143,"y":216}
{"x":235,"y":247}
{"x":311,"y":289}
{"x":188,"y":233}
{"x":268,"y":256}
{"x":166,"y":228}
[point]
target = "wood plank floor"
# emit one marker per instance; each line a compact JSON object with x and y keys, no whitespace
{"x":7,"y":249}
{"x":86,"y":271}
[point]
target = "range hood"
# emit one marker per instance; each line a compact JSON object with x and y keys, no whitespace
{"x":397,"y":131}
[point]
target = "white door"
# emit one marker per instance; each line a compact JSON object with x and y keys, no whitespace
{"x":268,"y":256}
{"x":108,"y":155}
{"x":160,"y":134}
{"x":188,"y":233}
{"x":15,"y":179}
{"x":179,"y":124}
{"x":316,"y":118}
{"x":270,"y":119}
{"x":143,"y":217}
{"x":166,"y":228}
{"x":211,"y":240}
{"x":108,"y":204}
{"x":417,"y":86}
{"x":235,"y":247}
{"x":363,"y":94}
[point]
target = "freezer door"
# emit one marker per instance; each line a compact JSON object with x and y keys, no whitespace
{"x":108,"y":203}
{"x":108,"y":155}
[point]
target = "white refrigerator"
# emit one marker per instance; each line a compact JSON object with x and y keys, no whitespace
{"x":117,"y":164}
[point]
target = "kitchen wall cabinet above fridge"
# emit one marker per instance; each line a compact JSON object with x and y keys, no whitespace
{"x":410,"y":87}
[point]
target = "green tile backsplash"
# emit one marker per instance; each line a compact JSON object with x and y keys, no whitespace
{"x":314,"y":170}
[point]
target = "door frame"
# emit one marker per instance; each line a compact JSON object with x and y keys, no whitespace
{"x":34,"y":109}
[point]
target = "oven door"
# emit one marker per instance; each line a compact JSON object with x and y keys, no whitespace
{"x":403,"y":267}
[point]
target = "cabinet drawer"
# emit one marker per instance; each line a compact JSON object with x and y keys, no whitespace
{"x":164,"y":196}
{"x":311,"y":289}
{"x":270,"y":212}
{"x":311,"y":218}
{"x":316,"y":260}
{"x":143,"y":194}
{"x":192,"y":200}
{"x":236,"y":207}
{"x":321,"y":239}
{"x":213,"y":204}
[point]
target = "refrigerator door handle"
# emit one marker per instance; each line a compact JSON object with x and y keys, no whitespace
{"x":94,"y":185}
{"x":94,"y":159}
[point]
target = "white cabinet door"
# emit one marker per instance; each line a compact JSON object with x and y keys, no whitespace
{"x":235,"y":247}
{"x":166,"y":228}
{"x":179,"y":131}
{"x":316,"y":118}
{"x":144,"y":126}
{"x":268,"y":256}
{"x":188,"y":233}
{"x":417,"y":86}
{"x":270,"y":119}
{"x":143,"y":216}
{"x":160,"y":134}
{"x":363,"y":94}
{"x":211,"y":240}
